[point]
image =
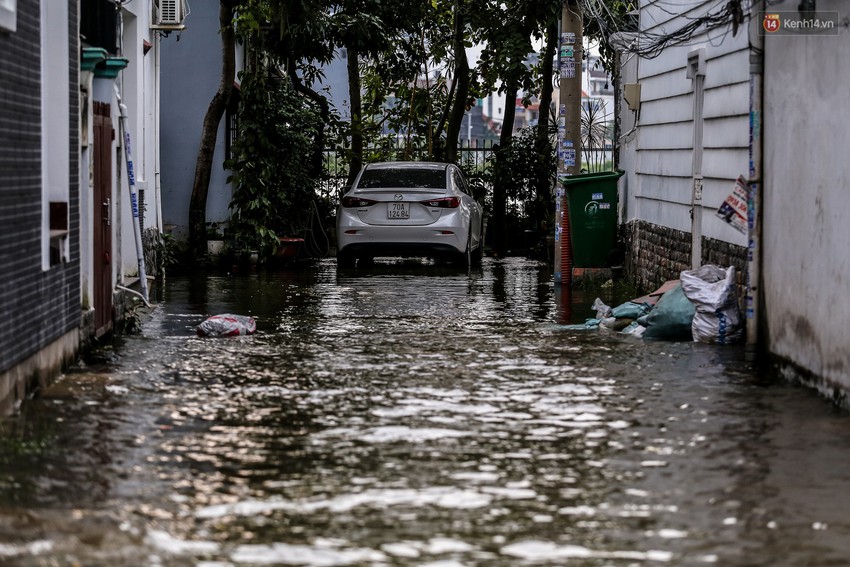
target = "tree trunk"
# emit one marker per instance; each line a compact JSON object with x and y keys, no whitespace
{"x":543,"y":142}
{"x":500,"y":188}
{"x":439,"y":153}
{"x":209,"y":134}
{"x":546,"y":87}
{"x":325,"y":112}
{"x":354,"y":87}
{"x":461,"y":94}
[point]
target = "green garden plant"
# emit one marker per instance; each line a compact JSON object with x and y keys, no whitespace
{"x":273,"y":186}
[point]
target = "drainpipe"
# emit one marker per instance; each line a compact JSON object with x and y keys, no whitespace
{"x":696,"y":72}
{"x":754,"y":194}
{"x":134,"y":196}
{"x":157,"y":130}
{"x":124,"y":131}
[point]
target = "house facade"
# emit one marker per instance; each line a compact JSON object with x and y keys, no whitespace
{"x":119,"y":94}
{"x":684,"y":140}
{"x":75,"y":77}
{"x":39,"y":194}
{"x":190,"y":73}
{"x":751,"y":93}
{"x":803,"y":254}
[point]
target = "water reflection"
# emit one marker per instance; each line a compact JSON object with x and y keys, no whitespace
{"x":564,"y":304}
{"x":415,"y":414}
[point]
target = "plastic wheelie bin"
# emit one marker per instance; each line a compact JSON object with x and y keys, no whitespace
{"x":592,"y":206}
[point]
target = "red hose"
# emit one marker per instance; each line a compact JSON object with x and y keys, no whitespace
{"x":566,"y":245}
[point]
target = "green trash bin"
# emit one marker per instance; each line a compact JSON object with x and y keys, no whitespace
{"x":592,"y":205}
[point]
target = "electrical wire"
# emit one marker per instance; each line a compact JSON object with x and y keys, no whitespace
{"x":649,"y":44}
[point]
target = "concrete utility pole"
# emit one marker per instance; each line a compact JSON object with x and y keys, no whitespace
{"x":570,"y":54}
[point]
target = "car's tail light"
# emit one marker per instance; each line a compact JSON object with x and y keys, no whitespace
{"x":354,"y":202}
{"x":443,"y":202}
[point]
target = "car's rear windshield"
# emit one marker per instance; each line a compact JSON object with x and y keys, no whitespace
{"x":403,"y":177}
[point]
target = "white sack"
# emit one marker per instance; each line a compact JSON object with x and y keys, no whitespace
{"x":712,"y":290}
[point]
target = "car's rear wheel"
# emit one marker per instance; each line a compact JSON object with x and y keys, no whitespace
{"x":465,"y":258}
{"x":478,"y":253}
{"x":345,"y":260}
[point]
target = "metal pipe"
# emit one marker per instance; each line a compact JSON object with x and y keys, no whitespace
{"x":755,"y":182}
{"x":134,"y":292}
{"x":157,"y":37}
{"x":134,"y":197}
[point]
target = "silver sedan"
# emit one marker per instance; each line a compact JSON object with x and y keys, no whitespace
{"x":422,"y":209}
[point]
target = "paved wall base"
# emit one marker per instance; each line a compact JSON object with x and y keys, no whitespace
{"x":657,"y":254}
{"x":795,"y":374}
{"x":29,"y":377}
{"x":37,"y":372}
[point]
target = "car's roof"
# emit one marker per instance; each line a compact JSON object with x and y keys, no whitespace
{"x":408,"y":165}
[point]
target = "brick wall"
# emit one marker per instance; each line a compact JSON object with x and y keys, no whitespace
{"x":38,"y":307}
{"x":71,"y":277}
{"x":657,"y":254}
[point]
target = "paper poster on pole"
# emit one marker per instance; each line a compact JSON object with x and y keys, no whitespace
{"x":568,"y":68}
{"x":734,"y":209}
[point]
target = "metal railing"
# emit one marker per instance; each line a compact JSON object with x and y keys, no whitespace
{"x":475,"y":158}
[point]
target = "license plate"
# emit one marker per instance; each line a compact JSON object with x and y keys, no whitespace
{"x":398,"y":210}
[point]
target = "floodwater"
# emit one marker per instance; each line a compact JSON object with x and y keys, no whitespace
{"x":417,"y":415}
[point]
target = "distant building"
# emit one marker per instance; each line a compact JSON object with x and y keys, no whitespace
{"x":191,"y":72}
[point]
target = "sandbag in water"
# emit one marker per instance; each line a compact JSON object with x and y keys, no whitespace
{"x":227,"y":325}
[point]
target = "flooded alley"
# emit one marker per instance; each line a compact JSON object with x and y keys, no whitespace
{"x":405,"y":415}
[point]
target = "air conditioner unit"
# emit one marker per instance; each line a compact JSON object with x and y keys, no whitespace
{"x":170,"y":12}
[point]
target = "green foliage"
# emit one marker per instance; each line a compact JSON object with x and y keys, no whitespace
{"x":596,"y":135}
{"x":506,"y":29}
{"x":406,"y":54}
{"x":291,"y":31}
{"x":479,"y":172}
{"x":165,"y":252}
{"x":159,"y":252}
{"x":414,"y":112}
{"x":272,"y":183}
{"x":408,"y":70}
{"x":402,"y":66}
{"x":529,"y":175}
{"x":131,"y":324}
